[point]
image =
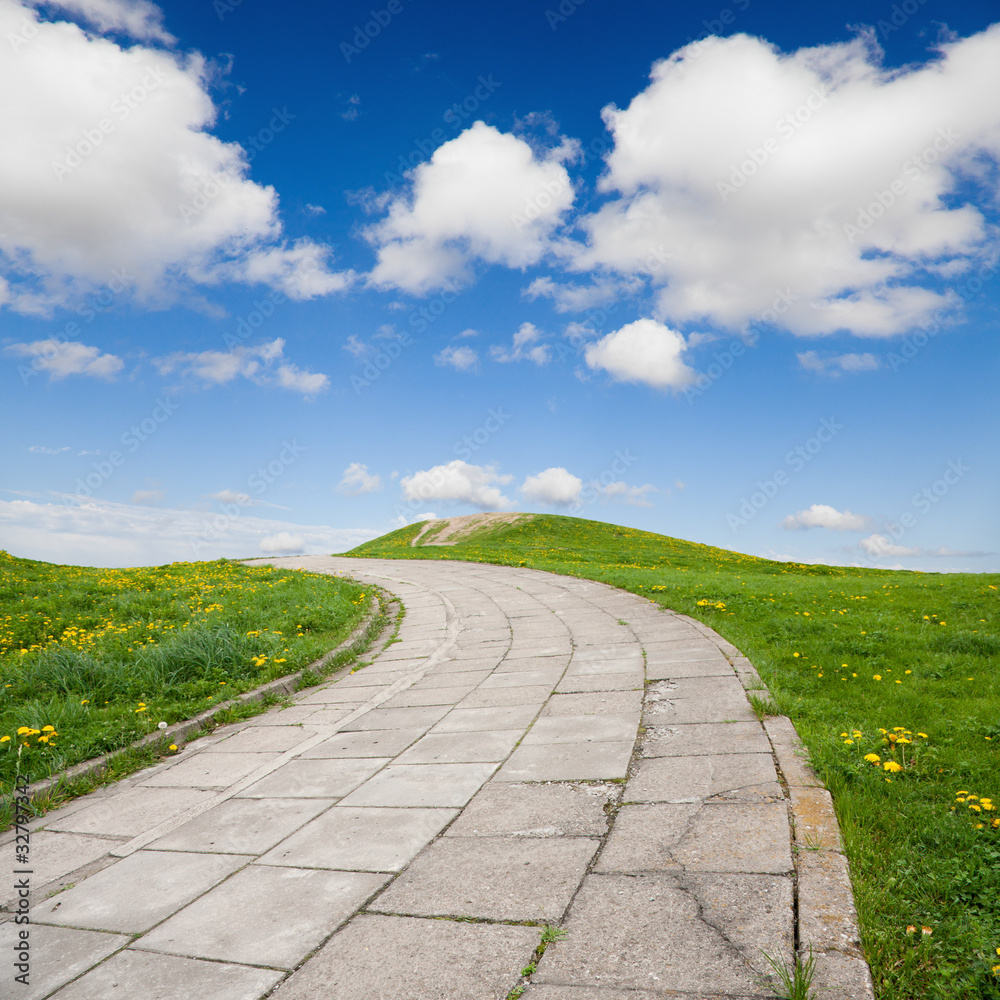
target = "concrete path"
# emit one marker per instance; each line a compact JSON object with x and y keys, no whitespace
{"x":534,"y":750}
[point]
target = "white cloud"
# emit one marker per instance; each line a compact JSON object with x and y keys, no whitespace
{"x":61,"y":358}
{"x":460,"y":482}
{"x":147,"y":497}
{"x":284,"y":542}
{"x":102,"y":533}
{"x":835,"y":364}
{"x":741,"y":166}
{"x":820,"y":515}
{"x":878,"y":545}
{"x":308,"y":383}
{"x":109,"y":176}
{"x":463,"y":359}
{"x":235,"y":497}
{"x":254,"y":363}
{"x":569,"y":297}
{"x":138,"y":19}
{"x":554,"y":486}
{"x":358,"y":480}
{"x":635,"y":496}
{"x":483,"y":195}
{"x":39,"y":449}
{"x":525,"y":347}
{"x":644,"y":351}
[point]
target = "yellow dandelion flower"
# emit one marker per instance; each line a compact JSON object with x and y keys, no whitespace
{"x":892,"y":766}
{"x":876,"y":677}
{"x":873,"y":758}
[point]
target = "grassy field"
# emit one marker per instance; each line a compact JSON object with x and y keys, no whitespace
{"x":893,"y":681}
{"x":92,"y":659}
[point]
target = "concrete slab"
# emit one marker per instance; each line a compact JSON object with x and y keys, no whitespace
{"x":137,"y":892}
{"x":452,"y":748}
{"x":433,"y":679}
{"x":377,"y":840}
{"x":391,"y":958}
{"x":55,"y":855}
{"x":705,"y":738}
{"x":502,"y":696}
{"x":595,"y":703}
{"x":442,"y":785}
{"x":691,"y":710}
{"x":242,"y":826}
{"x":742,"y":776}
{"x":567,"y":762}
{"x":209,"y":770}
{"x":524,"y":810}
{"x":414,"y":697}
{"x":498,"y":878}
{"x":365,"y":743}
{"x":630,"y":680}
{"x":59,"y":954}
{"x":264,"y":916}
{"x":324,"y":778}
{"x":644,"y":837}
{"x":714,"y":666}
{"x":649,"y":933}
{"x":140,"y":975}
{"x":397,"y":718}
{"x":468,"y":720}
{"x":521,"y":678}
{"x":737,"y":837}
{"x":582,"y":729}
{"x":262,"y":739}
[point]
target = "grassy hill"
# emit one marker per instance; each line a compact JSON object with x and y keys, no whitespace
{"x":850,"y":654}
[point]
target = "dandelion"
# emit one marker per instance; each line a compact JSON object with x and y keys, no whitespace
{"x":873,"y":758}
{"x":876,"y":677}
{"x":892,"y":766}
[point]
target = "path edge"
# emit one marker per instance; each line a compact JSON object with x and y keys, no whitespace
{"x":358,"y":643}
{"x":826,"y":916}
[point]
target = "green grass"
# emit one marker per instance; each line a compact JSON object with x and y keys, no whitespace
{"x":820,"y":636}
{"x":102,"y":656}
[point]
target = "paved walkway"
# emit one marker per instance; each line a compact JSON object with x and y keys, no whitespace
{"x":405,"y":832}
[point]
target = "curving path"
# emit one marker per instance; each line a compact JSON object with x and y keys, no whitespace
{"x":534,"y":750}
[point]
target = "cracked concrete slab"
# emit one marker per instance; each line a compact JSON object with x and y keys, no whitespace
{"x":370,"y":839}
{"x":745,"y":776}
{"x":388,"y":958}
{"x":497,"y":878}
{"x":559,"y":809}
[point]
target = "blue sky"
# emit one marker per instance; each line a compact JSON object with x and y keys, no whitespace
{"x":274,"y":282}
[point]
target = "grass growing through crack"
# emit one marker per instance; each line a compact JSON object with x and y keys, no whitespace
{"x":795,"y":983}
{"x":842,"y":650}
{"x":93,"y":659}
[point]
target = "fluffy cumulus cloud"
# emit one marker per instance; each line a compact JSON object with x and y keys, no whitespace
{"x":556,"y":487}
{"x":261,"y":364}
{"x":525,"y":347}
{"x":635,"y":496}
{"x":821,"y":515}
{"x":357,"y":480}
{"x":283,"y":543}
{"x":837,"y":364}
{"x":483,"y":195}
{"x":877,"y":546}
{"x":458,"y":482}
{"x":462,"y":358}
{"x":815,"y":190}
{"x":138,"y":19}
{"x":60,"y":358}
{"x":115,"y":181}
{"x":644,"y":351}
{"x":105,"y":533}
